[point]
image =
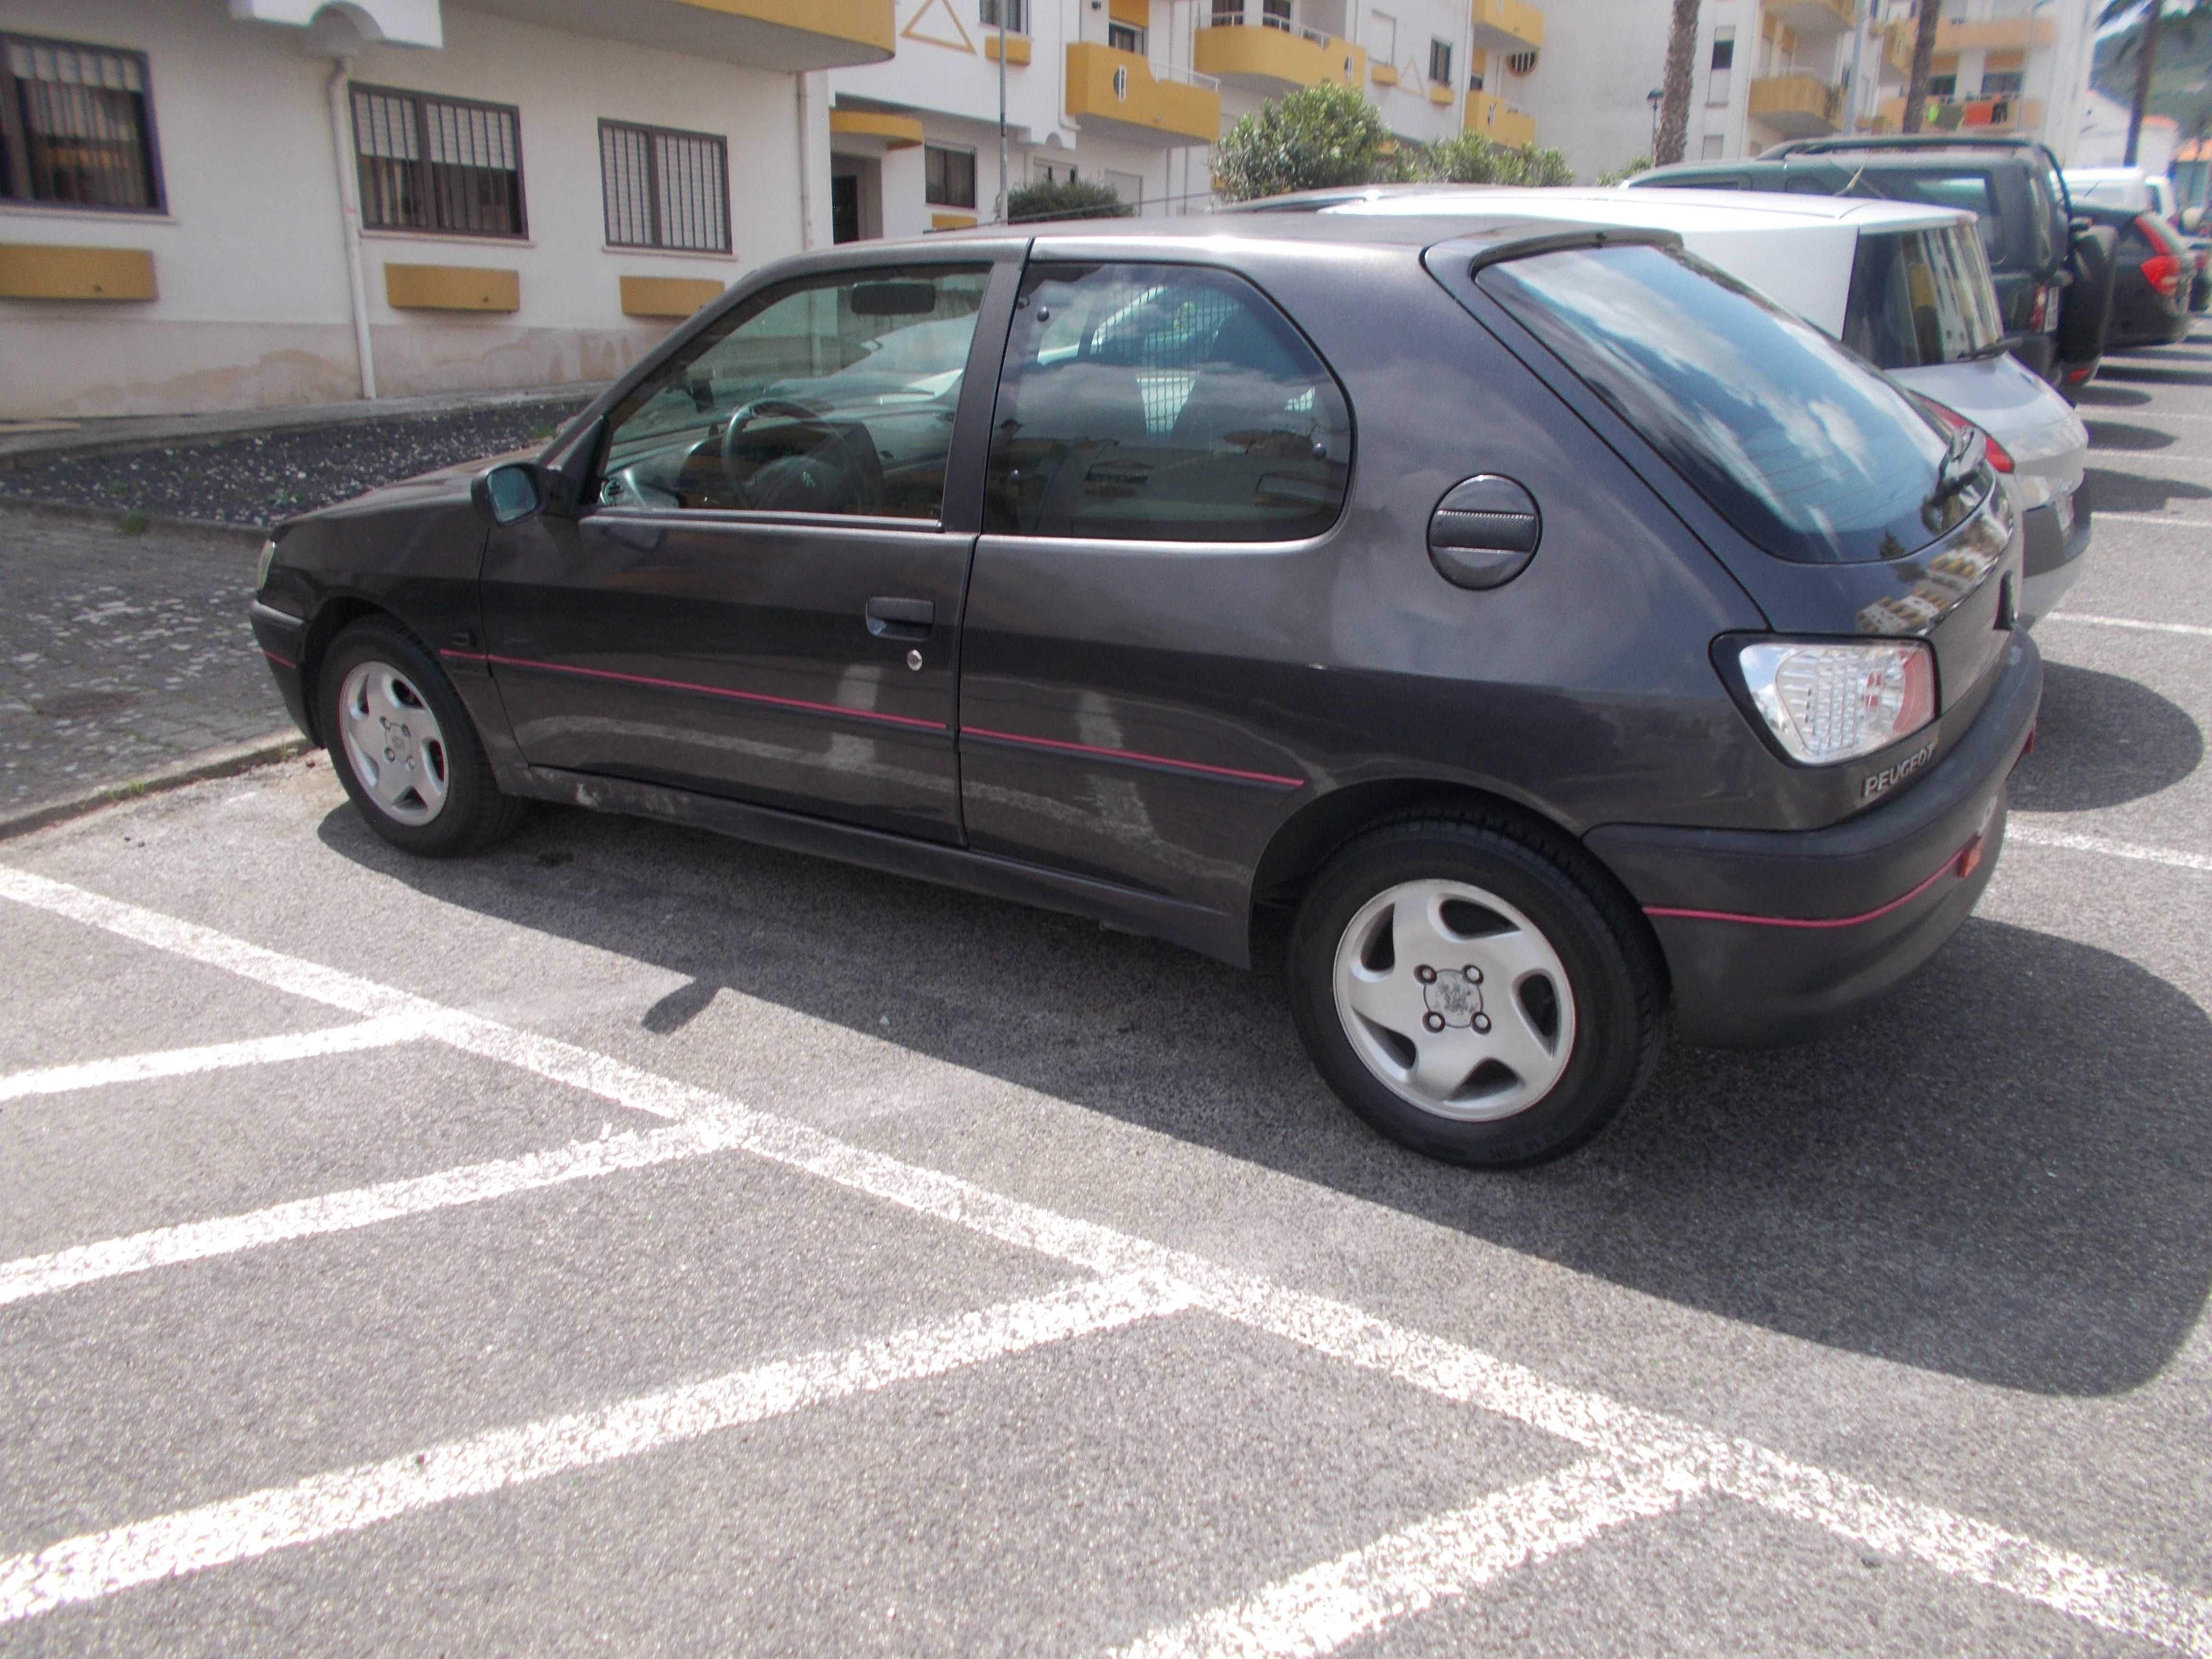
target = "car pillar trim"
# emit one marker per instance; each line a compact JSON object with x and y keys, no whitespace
{"x":798,"y":704}
{"x":1133,"y":757}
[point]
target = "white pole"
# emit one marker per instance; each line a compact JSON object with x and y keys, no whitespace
{"x":350,"y":216}
{"x":806,"y":176}
{"x":1003,"y":4}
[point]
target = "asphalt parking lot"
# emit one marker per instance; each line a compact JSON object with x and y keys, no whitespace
{"x":635,"y":1242}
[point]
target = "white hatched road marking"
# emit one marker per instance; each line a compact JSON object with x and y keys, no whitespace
{"x":2115,"y":1598}
{"x":2083,"y":619}
{"x":101,"y":1564}
{"x":2154,"y":518}
{"x":2034,"y":834}
{"x":213,"y":1057}
{"x":1407,"y":1572}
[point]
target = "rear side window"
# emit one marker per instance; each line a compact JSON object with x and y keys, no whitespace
{"x":1162,"y":403}
{"x":1973,"y":192}
{"x":1920,"y":297}
{"x":1808,"y":452}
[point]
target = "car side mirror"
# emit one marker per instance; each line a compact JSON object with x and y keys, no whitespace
{"x":506,"y":495}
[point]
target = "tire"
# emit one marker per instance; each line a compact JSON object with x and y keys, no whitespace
{"x":402,"y":743}
{"x":1530,"y":1011}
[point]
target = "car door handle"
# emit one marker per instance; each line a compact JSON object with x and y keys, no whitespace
{"x":900,"y":619}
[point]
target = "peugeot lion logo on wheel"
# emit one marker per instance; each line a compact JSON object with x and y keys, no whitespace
{"x":1454,"y":996}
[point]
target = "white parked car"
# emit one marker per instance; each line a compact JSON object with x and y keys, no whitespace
{"x":2131,"y":188}
{"x":1904,"y":284}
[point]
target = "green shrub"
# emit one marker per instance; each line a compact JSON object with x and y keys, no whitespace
{"x":1076,"y":198}
{"x":1469,"y":158}
{"x":1311,"y":139}
{"x":1622,"y":175}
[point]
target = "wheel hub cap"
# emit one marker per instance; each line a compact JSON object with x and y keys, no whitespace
{"x":393,"y":742}
{"x":1455,"y":999}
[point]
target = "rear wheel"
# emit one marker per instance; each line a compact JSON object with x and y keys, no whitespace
{"x":401,"y":743}
{"x":1474,"y":991}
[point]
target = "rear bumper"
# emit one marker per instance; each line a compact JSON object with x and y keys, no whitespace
{"x":281,"y":637}
{"x":2051,"y":559}
{"x":1774,"y":936}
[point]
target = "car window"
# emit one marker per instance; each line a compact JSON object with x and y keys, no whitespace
{"x":1808,"y":452}
{"x":2133,"y":247}
{"x":2050,"y":236}
{"x":1972,"y":190}
{"x":1162,"y":403}
{"x":1919,"y":297}
{"x":830,"y":394}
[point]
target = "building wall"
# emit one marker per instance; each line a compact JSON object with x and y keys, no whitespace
{"x":250,"y":256}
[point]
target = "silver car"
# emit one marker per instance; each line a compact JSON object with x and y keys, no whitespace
{"x":1906,"y":285}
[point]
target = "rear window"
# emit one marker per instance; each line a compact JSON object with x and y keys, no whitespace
{"x":1920,"y":297}
{"x":1974,"y":191}
{"x":1808,"y":452}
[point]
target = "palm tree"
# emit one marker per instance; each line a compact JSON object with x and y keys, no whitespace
{"x":1923,"y":56}
{"x":1674,"y":97}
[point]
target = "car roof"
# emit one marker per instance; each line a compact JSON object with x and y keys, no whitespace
{"x":1679,"y":210}
{"x":1488,"y":234}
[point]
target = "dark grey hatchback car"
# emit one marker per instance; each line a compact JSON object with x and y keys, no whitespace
{"x":1531,"y":631}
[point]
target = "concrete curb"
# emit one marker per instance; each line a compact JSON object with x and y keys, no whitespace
{"x":193,"y":768}
{"x":108,"y":517}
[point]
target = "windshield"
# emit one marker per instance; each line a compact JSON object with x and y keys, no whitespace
{"x":1920,"y":297}
{"x":1806,"y":450}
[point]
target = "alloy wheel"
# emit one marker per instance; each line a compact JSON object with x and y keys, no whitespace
{"x":393,"y":742}
{"x":1455,"y":999}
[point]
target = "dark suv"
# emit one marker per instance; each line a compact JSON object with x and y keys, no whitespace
{"x":2053,"y":270}
{"x":1523,"y":626}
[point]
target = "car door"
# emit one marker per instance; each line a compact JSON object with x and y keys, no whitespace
{"x":762,"y":598}
{"x":1165,"y":450}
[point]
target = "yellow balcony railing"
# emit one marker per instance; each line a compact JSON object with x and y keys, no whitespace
{"x":773,"y":34}
{"x":1511,"y":26}
{"x":1969,"y":115}
{"x":1495,"y":120}
{"x":1797,"y":105}
{"x":1813,"y":16}
{"x":1995,"y":34}
{"x":1261,"y":58}
{"x":1118,"y":93}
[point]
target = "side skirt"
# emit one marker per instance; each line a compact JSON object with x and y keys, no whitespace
{"x":1195,"y":927}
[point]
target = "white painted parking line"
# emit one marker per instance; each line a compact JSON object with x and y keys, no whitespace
{"x":1327,"y":1606}
{"x":2154,"y":518}
{"x":101,"y":1564}
{"x":2116,"y":1598}
{"x":2083,"y":619}
{"x":214,"y":1057}
{"x":32,"y":1276}
{"x":2035,"y":834}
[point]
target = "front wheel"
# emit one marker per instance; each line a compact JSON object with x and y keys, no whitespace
{"x":1474,"y":991}
{"x":401,"y":743}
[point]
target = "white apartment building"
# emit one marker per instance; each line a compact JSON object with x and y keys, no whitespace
{"x":1133,"y":94}
{"x":208,"y":205}
{"x":1770,"y":71}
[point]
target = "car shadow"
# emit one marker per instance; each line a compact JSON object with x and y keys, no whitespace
{"x":2114,"y":434}
{"x":2003,"y":1173}
{"x":2102,"y":740}
{"x":2133,"y":492}
{"x":2096,"y":394}
{"x":2150,"y":374}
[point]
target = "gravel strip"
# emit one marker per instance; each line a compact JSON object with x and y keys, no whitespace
{"x":256,"y":480}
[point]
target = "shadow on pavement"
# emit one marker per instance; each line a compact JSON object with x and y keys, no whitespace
{"x":2153,"y":374}
{"x":2100,"y":396}
{"x":2132,"y":492}
{"x":2113,"y":435}
{"x":2103,"y":740}
{"x":2004,"y":1173}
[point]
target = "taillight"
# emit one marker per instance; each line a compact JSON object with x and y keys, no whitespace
{"x":1826,"y":702}
{"x":1954,"y":422}
{"x":2161,"y":270}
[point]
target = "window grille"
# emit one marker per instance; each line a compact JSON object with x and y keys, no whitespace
{"x":76,"y":126}
{"x":665,"y":189}
{"x":1017,"y":15}
{"x":949,"y":177}
{"x":437,"y":164}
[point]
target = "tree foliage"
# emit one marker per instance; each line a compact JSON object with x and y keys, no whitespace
{"x":1072,"y":198}
{"x":1621,"y":175}
{"x":1469,"y":158}
{"x":1309,"y":139}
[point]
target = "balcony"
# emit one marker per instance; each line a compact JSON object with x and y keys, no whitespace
{"x":1996,"y":115}
{"x":1896,"y":44}
{"x":772,"y":34}
{"x":1269,"y":59}
{"x":1813,"y":16}
{"x":1509,"y":27}
{"x":1995,"y":34}
{"x":1499,"y":122}
{"x":1797,"y":105}
{"x":1119,"y":94}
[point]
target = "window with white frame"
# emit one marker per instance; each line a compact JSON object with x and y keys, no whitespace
{"x":1440,"y":54}
{"x":948,"y":176}
{"x":1722,"y":74}
{"x":665,"y":188}
{"x":1016,"y":13}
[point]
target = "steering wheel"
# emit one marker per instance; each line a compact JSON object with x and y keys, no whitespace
{"x":740,"y":418}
